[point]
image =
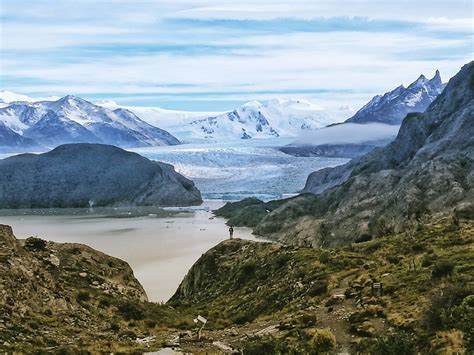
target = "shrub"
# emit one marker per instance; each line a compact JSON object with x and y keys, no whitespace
{"x":267,"y":346}
{"x":307,"y":320}
{"x":321,"y":340}
{"x":281,"y":260}
{"x":35,"y":244}
{"x":83,"y":296}
{"x":390,"y":344}
{"x":247,"y":270}
{"x":104,"y":303}
{"x":318,"y":288}
{"x":428,"y":260}
{"x":449,"y":309}
{"x":392,"y":259}
{"x":325,"y":257}
{"x":363,"y":238}
{"x":131,"y":311}
{"x":442,"y":268}
{"x":114,"y":326}
{"x":150,"y":323}
{"x":127,"y":334}
{"x":417,"y":248}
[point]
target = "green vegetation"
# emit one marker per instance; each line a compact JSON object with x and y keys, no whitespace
{"x":266,"y":298}
{"x":426,"y":302}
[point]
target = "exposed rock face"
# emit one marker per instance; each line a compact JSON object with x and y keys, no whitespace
{"x":427,"y":169}
{"x":394,"y":105}
{"x":387,"y":109}
{"x":78,"y":175}
{"x":43,"y":284}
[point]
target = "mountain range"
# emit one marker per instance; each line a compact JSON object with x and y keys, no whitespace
{"x":388,"y":109}
{"x":276,"y":118}
{"x":427,"y":171}
{"x":394,"y":105}
{"x":26,"y":124}
{"x":35,"y":125}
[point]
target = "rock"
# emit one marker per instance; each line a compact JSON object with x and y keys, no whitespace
{"x":36,"y":291}
{"x":53,"y":259}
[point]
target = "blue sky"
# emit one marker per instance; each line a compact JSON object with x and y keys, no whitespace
{"x":215,"y":55}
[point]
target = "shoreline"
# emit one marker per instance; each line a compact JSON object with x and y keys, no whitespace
{"x":159,"y":248}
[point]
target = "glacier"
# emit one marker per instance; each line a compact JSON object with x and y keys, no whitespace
{"x":237,"y":169}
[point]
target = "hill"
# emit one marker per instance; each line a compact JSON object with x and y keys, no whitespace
{"x":84,"y":175}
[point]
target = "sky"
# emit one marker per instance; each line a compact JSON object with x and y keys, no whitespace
{"x":213,"y":55}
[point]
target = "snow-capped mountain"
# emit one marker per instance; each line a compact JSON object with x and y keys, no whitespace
{"x":72,"y":120}
{"x":393,"y":106}
{"x":277,"y":118}
{"x":7,"y":97}
{"x":158,"y":116}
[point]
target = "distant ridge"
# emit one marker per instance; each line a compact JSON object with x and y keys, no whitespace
{"x":394,"y":105}
{"x":75,"y":120}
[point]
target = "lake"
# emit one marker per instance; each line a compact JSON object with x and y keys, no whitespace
{"x":162,"y":244}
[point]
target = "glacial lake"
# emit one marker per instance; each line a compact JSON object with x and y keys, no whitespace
{"x":162,"y":244}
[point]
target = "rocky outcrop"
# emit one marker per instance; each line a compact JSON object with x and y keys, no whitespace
{"x":49,"y":288}
{"x":83,"y":175}
{"x":427,"y":170}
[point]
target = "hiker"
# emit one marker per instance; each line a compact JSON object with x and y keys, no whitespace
{"x":455,"y":218}
{"x":231,"y":231}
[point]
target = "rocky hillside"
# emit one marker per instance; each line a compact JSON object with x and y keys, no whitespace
{"x":427,"y":170}
{"x":55,"y":294}
{"x":257,"y":297}
{"x":83,"y":175}
{"x":274,"y":298}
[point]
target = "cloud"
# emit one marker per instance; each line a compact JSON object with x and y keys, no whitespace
{"x":229,"y":50}
{"x":349,"y":133}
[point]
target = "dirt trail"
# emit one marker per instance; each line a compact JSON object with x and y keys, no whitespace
{"x":337,"y":319}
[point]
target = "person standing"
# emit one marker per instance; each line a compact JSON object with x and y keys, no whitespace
{"x":231,"y":232}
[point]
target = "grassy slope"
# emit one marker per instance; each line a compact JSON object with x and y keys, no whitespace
{"x":244,"y":283}
{"x":273,"y":298}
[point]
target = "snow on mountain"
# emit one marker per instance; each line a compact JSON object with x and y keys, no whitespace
{"x":394,"y":105}
{"x":73,"y":120}
{"x":7,"y":97}
{"x":159,"y":116}
{"x":277,"y":118}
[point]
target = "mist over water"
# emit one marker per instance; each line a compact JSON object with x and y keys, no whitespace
{"x":349,"y":133}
